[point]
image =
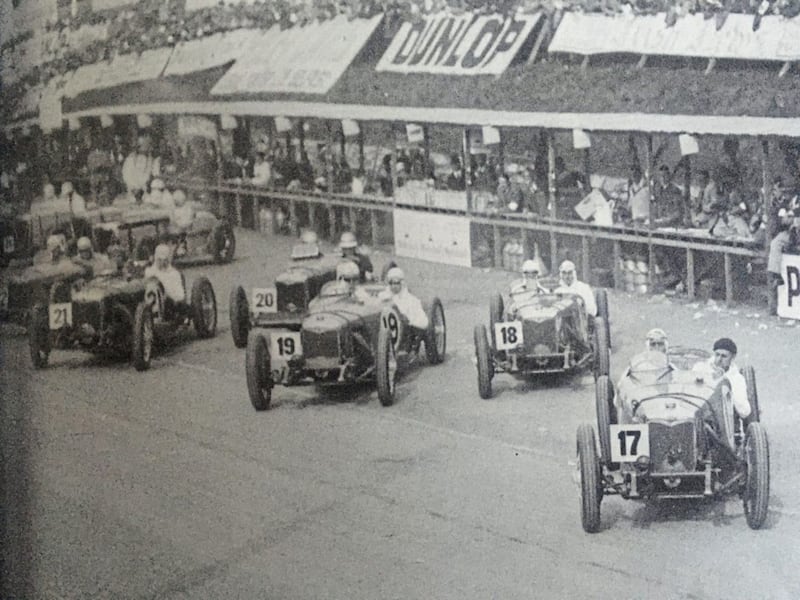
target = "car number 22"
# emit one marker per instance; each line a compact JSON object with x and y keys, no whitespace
{"x":508,"y":334}
{"x":629,"y":442}
{"x":265,"y":300}
{"x":60,"y":315}
{"x":285,"y":345}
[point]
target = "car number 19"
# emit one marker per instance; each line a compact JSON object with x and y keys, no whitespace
{"x":508,"y":335}
{"x":285,"y":344}
{"x":629,"y":442}
{"x":265,"y":300}
{"x":60,"y":315}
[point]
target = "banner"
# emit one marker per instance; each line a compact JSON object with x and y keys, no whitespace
{"x":692,"y":35}
{"x":207,"y":52}
{"x":789,"y":292}
{"x":457,"y":45}
{"x":307,"y":59}
{"x":432,"y":237}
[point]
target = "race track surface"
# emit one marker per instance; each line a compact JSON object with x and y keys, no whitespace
{"x":167,"y":484}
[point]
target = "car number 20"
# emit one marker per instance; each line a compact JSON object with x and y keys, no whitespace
{"x":60,"y":315}
{"x":265,"y":300}
{"x":508,"y":334}
{"x":285,"y":345}
{"x":629,"y":442}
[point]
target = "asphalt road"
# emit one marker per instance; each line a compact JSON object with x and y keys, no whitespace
{"x":167,"y":484}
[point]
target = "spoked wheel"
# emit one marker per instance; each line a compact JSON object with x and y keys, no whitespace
{"x":485,"y":368}
{"x":39,"y":336}
{"x":752,"y":394}
{"x":258,"y":367}
{"x":601,"y":299}
{"x":756,"y":490}
{"x":239,"y":313}
{"x":496,"y":309}
{"x":386,"y":368}
{"x":204,"y":308}
{"x":604,"y":398}
{"x":142,"y":350}
{"x":602,"y":360}
{"x":590,"y":485}
{"x":436,"y":336}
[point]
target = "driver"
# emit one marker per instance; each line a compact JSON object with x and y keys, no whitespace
{"x":722,"y":364}
{"x":87,"y":257}
{"x":655,"y":342}
{"x":569,"y":284}
{"x":348,"y":244}
{"x":56,"y":249}
{"x":348,"y":274}
{"x":168,"y":275}
{"x":407,"y":303}
{"x":529,"y":281}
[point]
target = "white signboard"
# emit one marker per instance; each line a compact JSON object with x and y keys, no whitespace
{"x":789,"y":292}
{"x":692,"y":35}
{"x":208,"y":52}
{"x":437,"y":238}
{"x":508,"y":335}
{"x":264,"y":300}
{"x":629,"y":442}
{"x":457,"y":45}
{"x":284,"y":345}
{"x":307,"y":59}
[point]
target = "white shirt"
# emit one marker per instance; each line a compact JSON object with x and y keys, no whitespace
{"x":737,"y":381}
{"x":137,"y":170}
{"x":262,"y":173}
{"x":408,"y":305}
{"x":584,"y":290}
{"x":183,"y":216}
{"x":171,"y":279}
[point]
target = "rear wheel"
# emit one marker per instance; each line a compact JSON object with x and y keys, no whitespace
{"x":224,"y":243}
{"x":204,"y":308}
{"x":436,"y":336}
{"x":601,"y":357}
{"x":589,"y":469}
{"x":485,"y":369}
{"x":752,"y":394}
{"x":39,"y":336}
{"x":142,"y":350}
{"x":601,"y":299}
{"x":756,"y":492}
{"x":604,"y":404}
{"x":495,"y":314}
{"x":386,"y":367}
{"x":258,"y":368}
{"x":239,"y":313}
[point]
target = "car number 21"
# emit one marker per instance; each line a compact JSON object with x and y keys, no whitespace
{"x":508,"y":334}
{"x":629,"y":442}
{"x":285,"y":345}
{"x":265,"y":300}
{"x":60,"y":315}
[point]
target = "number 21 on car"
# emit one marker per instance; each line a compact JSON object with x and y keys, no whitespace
{"x":265,"y":300}
{"x":60,"y":315}
{"x":508,"y":334}
{"x":284,"y":345}
{"x":629,"y":442}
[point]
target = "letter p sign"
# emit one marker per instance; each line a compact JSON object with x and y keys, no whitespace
{"x":792,"y":283}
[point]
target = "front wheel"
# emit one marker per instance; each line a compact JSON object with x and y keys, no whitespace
{"x":604,"y":398}
{"x":752,"y":394}
{"x":756,"y":491}
{"x":602,"y":361}
{"x":386,"y":367}
{"x":436,"y":336}
{"x":601,"y":298}
{"x":485,"y":368}
{"x":239,"y":313}
{"x":142,"y":350}
{"x":258,"y":368}
{"x":204,"y":308}
{"x":39,"y":336}
{"x":589,"y":468}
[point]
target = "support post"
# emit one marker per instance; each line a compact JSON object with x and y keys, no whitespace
{"x":361,"y":159}
{"x":690,"y":273}
{"x":616,"y":270}
{"x":466,"y":154}
{"x":585,"y":258}
{"x":766,"y":180}
{"x":649,"y":178}
{"x":373,"y":227}
{"x":728,"y":279}
{"x":498,"y":247}
{"x":353,"y":216}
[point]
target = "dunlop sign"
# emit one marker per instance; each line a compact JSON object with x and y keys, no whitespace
{"x":462,"y":45}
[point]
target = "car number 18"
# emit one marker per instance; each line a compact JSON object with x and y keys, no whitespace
{"x":508,"y":335}
{"x":629,"y":442}
{"x":265,"y":300}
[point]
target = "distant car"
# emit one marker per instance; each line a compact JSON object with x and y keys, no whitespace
{"x":529,"y":335}
{"x":670,"y":431}
{"x":113,"y":314}
{"x":342,"y":341}
{"x":284,"y":304}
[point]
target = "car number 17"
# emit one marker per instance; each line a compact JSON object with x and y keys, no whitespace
{"x":629,"y":442}
{"x":508,"y":335}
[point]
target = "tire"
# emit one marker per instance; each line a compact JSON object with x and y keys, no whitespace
{"x":591,"y":491}
{"x":258,"y":367}
{"x":386,"y":367}
{"x":602,"y":360}
{"x":436,"y":336}
{"x":39,"y":336}
{"x":601,"y":299}
{"x":496,"y":309}
{"x":142,"y":350}
{"x":752,"y":394}
{"x":485,"y":368}
{"x":756,"y":492}
{"x":204,"y":308}
{"x":224,"y":243}
{"x":606,"y":416}
{"x":239,"y":312}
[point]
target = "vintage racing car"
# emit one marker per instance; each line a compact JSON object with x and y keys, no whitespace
{"x":670,"y":431}
{"x":342,"y":341}
{"x":284,"y":304}
{"x":116,"y":314}
{"x":537,"y":332}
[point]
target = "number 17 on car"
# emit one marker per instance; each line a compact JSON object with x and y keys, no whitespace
{"x":629,"y":442}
